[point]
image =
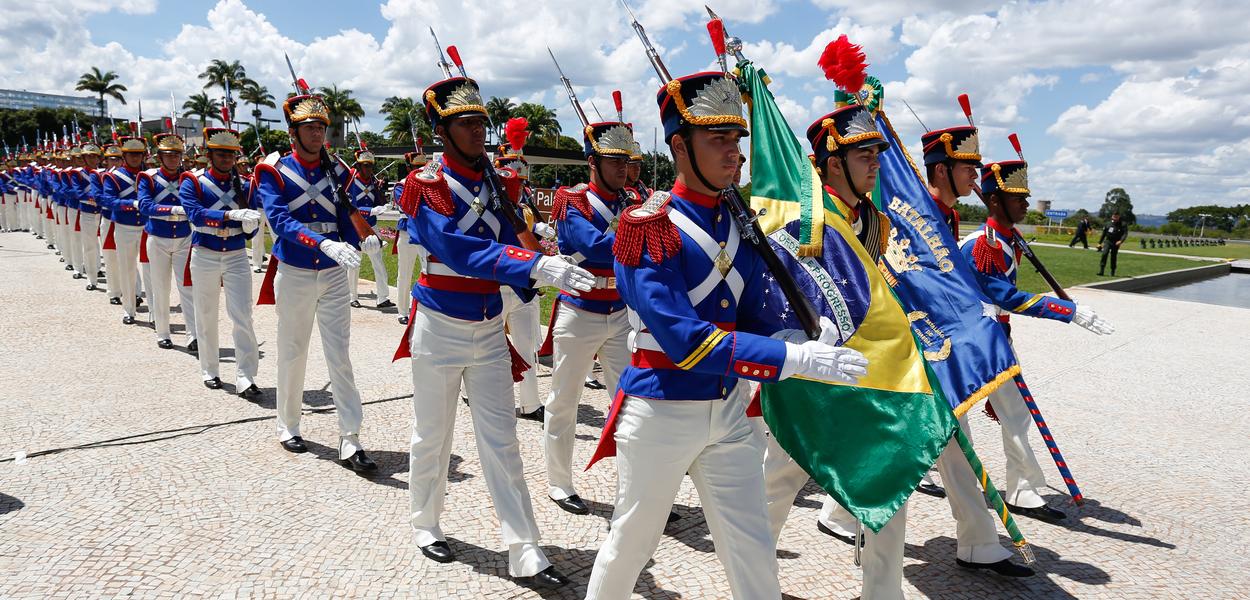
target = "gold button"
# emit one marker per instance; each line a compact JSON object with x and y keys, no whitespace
{"x":718,"y":217}
{"x":722,"y":244}
{"x":724,"y":303}
{"x":723,"y":391}
{"x":481,"y":228}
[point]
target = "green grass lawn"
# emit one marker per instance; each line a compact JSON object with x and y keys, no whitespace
{"x":1231,"y":250}
{"x":1076,"y":266}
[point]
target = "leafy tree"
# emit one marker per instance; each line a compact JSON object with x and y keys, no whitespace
{"x":200,"y":105}
{"x":546,"y":176}
{"x":275,"y":140}
{"x":221,"y":74}
{"x":257,"y":96}
{"x":1117,"y":200}
{"x":972,"y":213}
{"x":343,"y":108}
{"x":664,"y":168}
{"x":542,"y":123}
{"x":16,"y":125}
{"x":499,"y":110}
{"x":402,"y":115}
{"x":101,"y":84}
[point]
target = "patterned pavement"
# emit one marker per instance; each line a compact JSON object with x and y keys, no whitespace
{"x":120,"y":475}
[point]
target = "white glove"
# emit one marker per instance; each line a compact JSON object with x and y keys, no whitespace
{"x":178,"y":211}
{"x":377,"y":210}
{"x":341,"y":253}
{"x":371,"y":244}
{"x":250,"y":226}
{"x":134,"y":204}
{"x":1085,"y":317}
{"x":828,"y":334}
{"x":817,"y":360}
{"x":559,"y":271}
{"x":545,"y":231}
{"x":243,"y":215}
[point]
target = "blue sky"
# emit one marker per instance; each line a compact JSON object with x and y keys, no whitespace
{"x":1103,"y":93}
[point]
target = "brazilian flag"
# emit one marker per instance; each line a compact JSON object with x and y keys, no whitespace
{"x":869,"y":444}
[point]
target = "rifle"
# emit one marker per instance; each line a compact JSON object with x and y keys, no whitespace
{"x":581,"y":114}
{"x":494,"y":187}
{"x":740,"y":210}
{"x":1025,"y":250}
{"x":341,"y":200}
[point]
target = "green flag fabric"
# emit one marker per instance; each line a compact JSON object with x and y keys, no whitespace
{"x":869,"y":444}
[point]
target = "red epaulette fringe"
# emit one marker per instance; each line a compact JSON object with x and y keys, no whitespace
{"x":988,"y":258}
{"x":433,"y":192}
{"x":655,"y":233}
{"x":565,"y":197}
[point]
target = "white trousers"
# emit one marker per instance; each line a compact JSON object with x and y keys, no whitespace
{"x":381,"y":288}
{"x":127,"y":238}
{"x":407,"y":259}
{"x":211,"y":271}
{"x":1024,"y":474}
{"x":63,"y":229}
{"x":72,"y":244}
{"x":38,"y":217}
{"x":976,"y":527}
{"x":657,"y":443}
{"x":302,"y":296}
{"x":522,"y":325}
{"x":89,"y":245}
{"x":447,"y":352}
{"x":577,"y":337}
{"x":109,"y":258}
{"x":167,"y":258}
{"x":6,"y":204}
{"x":258,"y":242}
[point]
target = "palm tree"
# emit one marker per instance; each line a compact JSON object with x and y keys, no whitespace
{"x":402,"y":115}
{"x":499,"y":110}
{"x":222,"y":74}
{"x":257,"y":95}
{"x":200,"y":105}
{"x":102,"y":85}
{"x":342,"y":108}
{"x":542,"y":120}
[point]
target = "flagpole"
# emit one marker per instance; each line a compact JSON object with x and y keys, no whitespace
{"x":996,"y":499}
{"x":1055,"y":454}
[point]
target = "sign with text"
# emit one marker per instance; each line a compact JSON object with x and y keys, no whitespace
{"x":1057,"y":215}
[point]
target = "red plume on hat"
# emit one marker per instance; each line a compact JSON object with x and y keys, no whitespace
{"x":517,"y":132}
{"x":843,"y":64}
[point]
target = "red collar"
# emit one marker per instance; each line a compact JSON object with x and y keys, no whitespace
{"x":132,"y":171}
{"x":942,"y":205}
{"x":854,"y":210}
{"x":999,"y":228}
{"x":362,"y":178}
{"x":219,"y":176}
{"x":462,"y":170}
{"x":167,"y":174}
{"x":601,"y":193}
{"x":685,"y":193}
{"x":306,"y":165}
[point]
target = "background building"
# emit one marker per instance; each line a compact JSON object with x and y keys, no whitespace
{"x":23,"y":100}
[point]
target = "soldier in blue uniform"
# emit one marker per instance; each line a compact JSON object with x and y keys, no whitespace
{"x":695,"y":293}
{"x":86,"y":184}
{"x":69,"y":201}
{"x":990,"y":251}
{"x":108,"y":240}
{"x":520,"y":316}
{"x":406,"y":245}
{"x":121,"y":194}
{"x":456,"y":333}
{"x":594,"y":322}
{"x":216,"y":202}
{"x":169,"y":237}
{"x":8,"y":196}
{"x":368,"y":194}
{"x":316,"y":244}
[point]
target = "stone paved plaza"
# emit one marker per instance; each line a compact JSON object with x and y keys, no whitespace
{"x":140,"y":482}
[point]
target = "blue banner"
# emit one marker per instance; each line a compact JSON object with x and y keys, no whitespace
{"x":954,"y":320}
